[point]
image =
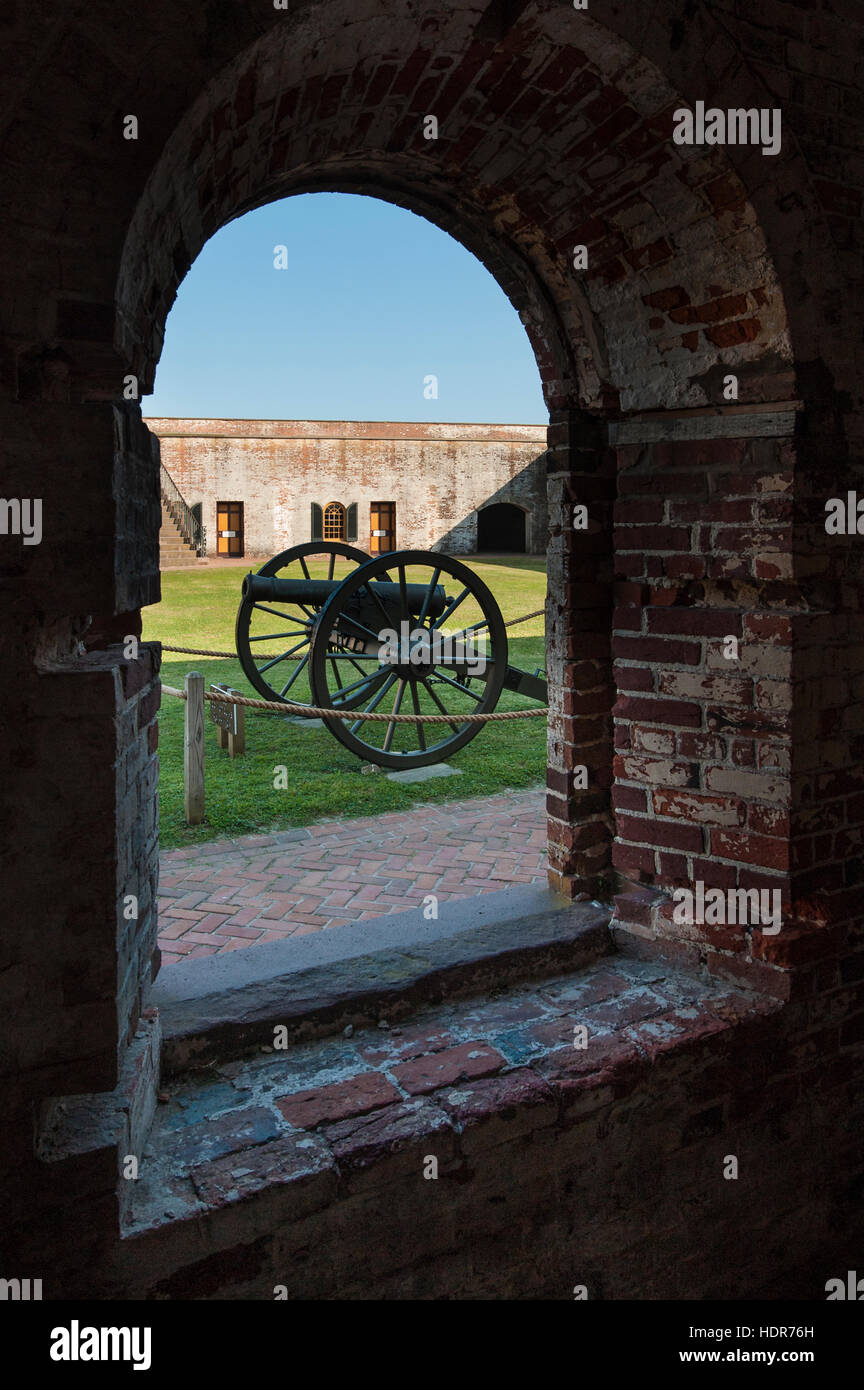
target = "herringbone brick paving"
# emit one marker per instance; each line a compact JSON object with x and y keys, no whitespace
{"x":228,"y":894}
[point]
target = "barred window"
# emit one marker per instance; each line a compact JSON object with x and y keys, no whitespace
{"x":334,"y":522}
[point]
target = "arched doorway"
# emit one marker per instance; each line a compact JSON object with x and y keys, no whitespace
{"x":501,"y":529}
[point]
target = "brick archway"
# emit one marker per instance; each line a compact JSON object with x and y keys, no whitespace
{"x":550,"y":135}
{"x":679,"y":289}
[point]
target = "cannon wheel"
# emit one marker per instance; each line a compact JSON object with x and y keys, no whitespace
{"x":273,"y":638}
{"x":439,"y":687}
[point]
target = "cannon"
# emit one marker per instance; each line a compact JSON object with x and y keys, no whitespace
{"x":324,"y":624}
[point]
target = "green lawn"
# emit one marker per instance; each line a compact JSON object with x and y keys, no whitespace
{"x":198,"y":609}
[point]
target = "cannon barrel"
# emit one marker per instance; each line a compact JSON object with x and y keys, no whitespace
{"x":316,"y":592}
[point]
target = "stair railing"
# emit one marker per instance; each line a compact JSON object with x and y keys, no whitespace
{"x":190,"y":526}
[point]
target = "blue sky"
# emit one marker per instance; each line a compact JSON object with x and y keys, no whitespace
{"x":374,"y":299}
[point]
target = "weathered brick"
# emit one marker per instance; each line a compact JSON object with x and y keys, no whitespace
{"x":629,"y":799}
{"x":645,"y":538}
{"x":633,"y":859}
{"x":369,"y":1141}
{"x":356,"y":1096}
{"x":733,"y":690}
{"x":495,"y":1110}
{"x":663,"y":771}
{"x":447,"y":1067}
{"x":750,"y":848}
{"x":747,"y":784}
{"x":677,"y":712}
{"x":656,"y":650}
{"x":651,"y":832}
{"x":652,"y":740}
{"x":694,"y":622}
{"x":696,"y":806}
{"x":287,"y":1161}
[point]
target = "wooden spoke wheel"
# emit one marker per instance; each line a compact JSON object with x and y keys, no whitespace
{"x":273,"y":633}
{"x":429,"y":639}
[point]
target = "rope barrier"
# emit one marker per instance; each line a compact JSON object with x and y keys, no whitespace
{"x":273,"y":656}
{"x":197,"y":651}
{"x":319,"y":712}
{"x":538,"y":613}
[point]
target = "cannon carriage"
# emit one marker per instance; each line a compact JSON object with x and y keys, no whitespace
{"x":324,"y":625}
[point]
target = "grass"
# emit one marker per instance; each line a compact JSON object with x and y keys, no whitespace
{"x":198,"y":609}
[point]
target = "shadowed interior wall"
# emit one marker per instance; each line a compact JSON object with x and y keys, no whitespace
{"x":705,"y":519}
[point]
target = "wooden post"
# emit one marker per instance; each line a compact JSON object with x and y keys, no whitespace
{"x":193,"y":750}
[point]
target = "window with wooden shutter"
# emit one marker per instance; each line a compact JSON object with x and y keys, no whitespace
{"x":351,"y":523}
{"x":317,"y":523}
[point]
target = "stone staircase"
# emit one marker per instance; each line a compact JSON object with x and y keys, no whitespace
{"x":174,"y":550}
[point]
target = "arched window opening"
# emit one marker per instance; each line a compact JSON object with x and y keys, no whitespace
{"x":331,"y":472}
{"x":334,"y":522}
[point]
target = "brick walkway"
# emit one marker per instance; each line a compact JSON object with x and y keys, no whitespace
{"x":233,"y":893}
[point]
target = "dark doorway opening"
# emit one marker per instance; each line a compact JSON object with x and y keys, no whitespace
{"x":501,"y":529}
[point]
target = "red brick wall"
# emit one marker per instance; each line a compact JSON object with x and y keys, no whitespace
{"x":735,"y":772}
{"x":579,"y":654}
{"x":703,"y":759}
